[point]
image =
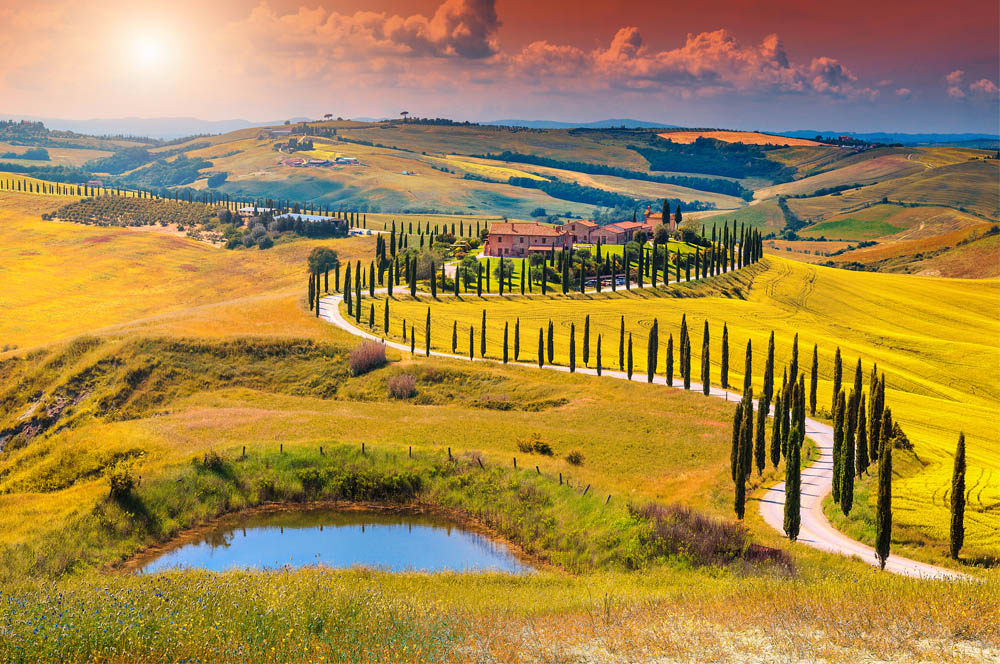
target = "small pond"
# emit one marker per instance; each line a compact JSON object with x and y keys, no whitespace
{"x":394,"y":541}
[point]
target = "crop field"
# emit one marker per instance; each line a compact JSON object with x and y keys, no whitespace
{"x":745,"y":137}
{"x":928,"y":336}
{"x":764,"y":215}
{"x":57,"y":156}
{"x":484,"y":168}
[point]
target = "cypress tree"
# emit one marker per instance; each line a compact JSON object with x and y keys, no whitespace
{"x":776,"y":433}
{"x":479,"y":279}
{"x":472,"y":342}
{"x":505,"y":324}
{"x":572,"y":348}
{"x":861,"y":449}
{"x":785,"y":405}
{"x":621,"y":346}
{"x":482,"y":336}
{"x":552,"y":344}
{"x":517,"y":339}
{"x":670,"y":360}
{"x":793,"y":369}
{"x":847,"y":469}
{"x":525,"y":278}
{"x":743,"y":458}
{"x":427,"y":334}
{"x":838,"y":373}
{"x":839,"y":426}
{"x":769,"y":369}
{"x":371,"y":280}
{"x":348,"y":293}
{"x":598,"y":355}
{"x":877,"y":397}
{"x":724,"y":370}
{"x":706,"y":366}
{"x":586,"y":341}
{"x":814,"y":380}
{"x":312,"y":291}
{"x":958,"y":499}
{"x":433,"y":280}
{"x":883,"y":510}
{"x":748,"y":368}
{"x":541,"y":347}
{"x":747,"y":434}
{"x":413,"y":339}
{"x":371,"y":316}
{"x":630,"y":356}
{"x":734,"y":452}
{"x":855,"y":394}
{"x":760,"y":449}
{"x":454,"y":337}
{"x":793,"y":486}
{"x":652,"y":350}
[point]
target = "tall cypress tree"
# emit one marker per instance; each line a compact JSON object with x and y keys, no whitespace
{"x":652,"y":351}
{"x":482,"y":336}
{"x":541,"y":347}
{"x":629,"y":366}
{"x":505,"y":328}
{"x":427,"y":334}
{"x":706,"y":377}
{"x":861,"y":448}
{"x":814,"y":380}
{"x":472,"y":341}
{"x":551,"y":344}
{"x":748,"y":368}
{"x":776,"y":433}
{"x":586,"y":341}
{"x":385,"y":317}
{"x":769,"y":370}
{"x":572,"y":348}
{"x":839,"y":426}
{"x":785,"y":403}
{"x":877,"y":397}
{"x":883,"y":510}
{"x":838,"y":373}
{"x":793,"y":369}
{"x":760,"y":449}
{"x":747,"y":434}
{"x":847,"y":468}
{"x":669,"y":370}
{"x":724,"y":369}
{"x":454,"y":337}
{"x":793,"y":485}
{"x":517,"y":339}
{"x":734,"y":452}
{"x":958,"y":499}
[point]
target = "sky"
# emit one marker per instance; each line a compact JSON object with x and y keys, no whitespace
{"x":780,"y":65}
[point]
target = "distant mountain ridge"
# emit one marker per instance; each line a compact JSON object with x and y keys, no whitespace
{"x":161,"y":128}
{"x":628,"y":123}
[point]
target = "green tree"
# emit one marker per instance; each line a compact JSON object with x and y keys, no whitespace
{"x":814,"y":380}
{"x":883,"y":510}
{"x":322,"y":260}
{"x":839,"y":428}
{"x":669,"y":370}
{"x":482,"y":336}
{"x":472,"y":342}
{"x":551,"y":344}
{"x":734,"y":452}
{"x":541,"y":347}
{"x":621,"y":345}
{"x":847,"y":469}
{"x":838,"y":374}
{"x":776,"y":433}
{"x":861,"y":449}
{"x":724,"y":360}
{"x":505,"y":324}
{"x":598,"y":359}
{"x":760,"y":442}
{"x":586,"y":340}
{"x":572,"y":348}
{"x":517,"y":338}
{"x":630,"y":356}
{"x":454,"y":336}
{"x":652,"y":350}
{"x":793,"y":485}
{"x":958,"y":499}
{"x":748,"y":367}
{"x":427,"y":334}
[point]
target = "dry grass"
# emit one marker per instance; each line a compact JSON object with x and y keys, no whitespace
{"x":745,"y":137}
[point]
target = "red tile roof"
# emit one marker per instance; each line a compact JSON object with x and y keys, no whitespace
{"x":628,"y":225}
{"x":514,"y":228}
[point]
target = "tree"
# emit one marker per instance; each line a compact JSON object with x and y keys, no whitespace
{"x":793,"y":369}
{"x":482,"y":336}
{"x":748,"y":367}
{"x":427,"y":334}
{"x":877,"y":405}
{"x":744,"y":460}
{"x":958,"y":499}
{"x":517,"y":338}
{"x":472,"y":342}
{"x":630,"y":356}
{"x":793,"y":485}
{"x":839,"y":425}
{"x":760,"y":449}
{"x":685,"y":353}
{"x":724,"y":370}
{"x":776,"y":433}
{"x":454,"y":336}
{"x":652,"y":350}
{"x":541,"y":347}
{"x":505,"y":342}
{"x":706,"y":365}
{"x":883,"y":510}
{"x":586,"y":340}
{"x":861,"y":448}
{"x":734,"y":451}
{"x":669,"y":370}
{"x":814,"y":380}
{"x":551,"y":344}
{"x":838,"y":374}
{"x":572,"y":348}
{"x":847,"y":469}
{"x":598,"y":359}
{"x":322,"y":259}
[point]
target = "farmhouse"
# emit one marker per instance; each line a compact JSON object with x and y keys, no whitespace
{"x":655,"y":219}
{"x":580,"y":230}
{"x":250,"y":211}
{"x":520,"y":239}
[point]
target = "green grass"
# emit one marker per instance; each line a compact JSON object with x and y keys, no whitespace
{"x":850,"y":228}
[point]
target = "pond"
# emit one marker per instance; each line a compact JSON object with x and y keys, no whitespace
{"x":394,"y":541}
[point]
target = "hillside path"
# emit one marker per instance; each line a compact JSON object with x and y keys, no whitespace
{"x":815,"y":529}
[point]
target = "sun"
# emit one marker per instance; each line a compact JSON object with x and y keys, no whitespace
{"x":148,"y":52}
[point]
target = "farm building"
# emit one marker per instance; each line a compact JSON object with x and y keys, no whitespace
{"x":580,"y":230}
{"x":510,"y":239}
{"x":655,"y":219}
{"x":250,"y":211}
{"x":619,"y":232}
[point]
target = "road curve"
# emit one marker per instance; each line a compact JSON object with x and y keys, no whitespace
{"x":815,"y":529}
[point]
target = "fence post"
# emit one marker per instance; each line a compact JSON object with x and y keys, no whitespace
{"x":449,"y":454}
{"x":480,"y":460}
{"x":321,"y":450}
{"x":586,"y":490}
{"x":537,"y":470}
{"x":410,"y":451}
{"x":560,"y":479}
{"x":515,"y":463}
{"x":244,"y":451}
{"x":608,"y":500}
{"x":281,"y":448}
{"x":362,"y":449}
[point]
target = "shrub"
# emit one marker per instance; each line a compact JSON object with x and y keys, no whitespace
{"x":535,"y":445}
{"x":677,"y":530}
{"x":265,"y":242}
{"x":575,"y":457}
{"x":366,"y":356}
{"x":402,"y":386}
{"x":121,"y":480}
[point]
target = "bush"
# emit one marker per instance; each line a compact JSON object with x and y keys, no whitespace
{"x":535,"y":445}
{"x":575,"y":457}
{"x":366,"y":356}
{"x":679,"y":530}
{"x":402,"y":386}
{"x":265,"y":242}
{"x":121,"y":480}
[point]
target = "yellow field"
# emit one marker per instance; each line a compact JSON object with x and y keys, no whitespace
{"x":745,"y":137}
{"x":934,"y":338}
{"x":485,"y":170}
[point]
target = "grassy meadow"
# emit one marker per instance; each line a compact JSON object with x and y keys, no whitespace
{"x":928,"y":340}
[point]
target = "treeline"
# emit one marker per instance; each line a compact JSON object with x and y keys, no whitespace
{"x":714,"y":185}
{"x":827,"y":191}
{"x":706,"y":155}
{"x":64,"y":174}
{"x":35,"y":154}
{"x":110,"y":210}
{"x":161,"y":173}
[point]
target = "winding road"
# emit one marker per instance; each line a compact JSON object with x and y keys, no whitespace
{"x":815,"y":529}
